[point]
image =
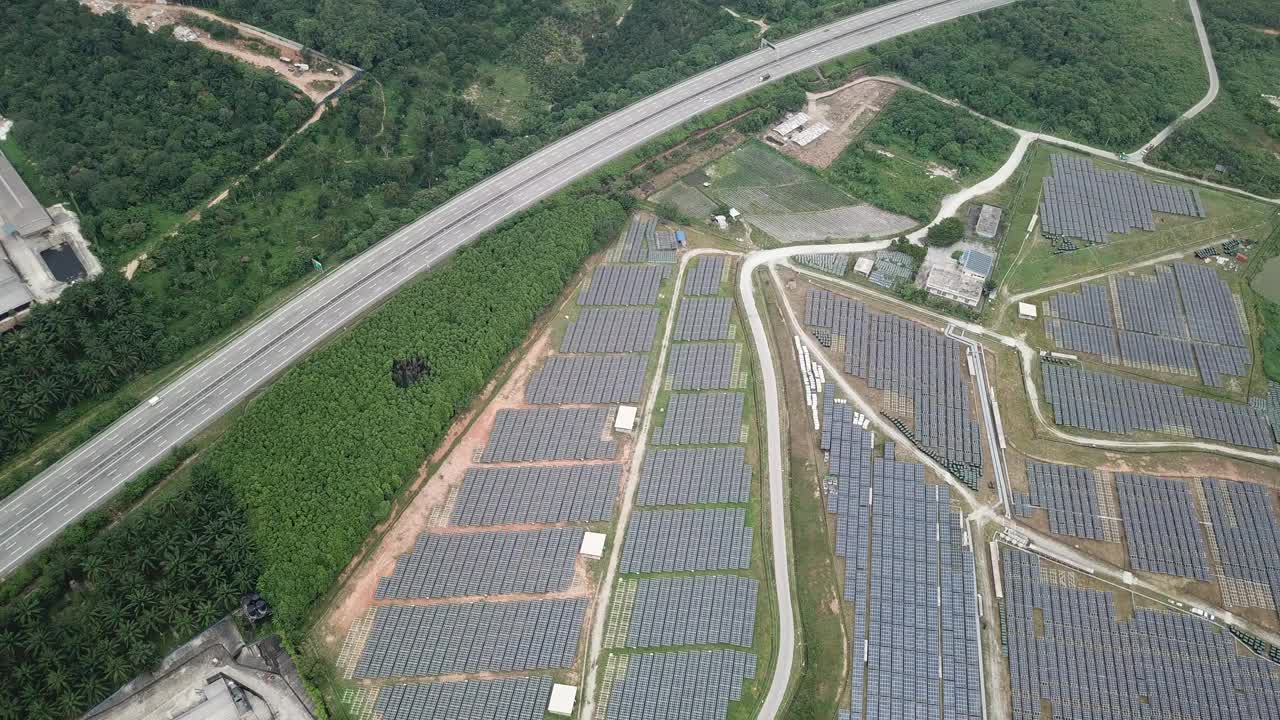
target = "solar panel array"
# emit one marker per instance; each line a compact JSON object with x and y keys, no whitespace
{"x":1070,"y":494}
{"x":695,"y":476}
{"x":1081,"y":200}
{"x":1268,"y":406}
{"x":687,"y":541}
{"x":1246,"y":531}
{"x":484,"y":563}
{"x":679,"y":685}
{"x":508,"y":699}
{"x":695,"y":610}
{"x":549,"y":434}
{"x":833,"y":263}
{"x":427,"y":640}
{"x":1091,"y":305}
{"x":701,"y":419}
{"x":1071,"y":335}
{"x":1181,"y":319}
{"x":1212,"y":315}
{"x":703,"y":366}
{"x":640,"y":234}
{"x":518,"y":495}
{"x":922,"y":373}
{"x":1066,"y":649}
{"x":704,"y":318}
{"x":1150,"y":303}
{"x":587,"y":379}
{"x":611,"y":330}
{"x":705,"y":276}
{"x":1109,"y":403}
{"x":913,"y":594}
{"x":1160,"y":525}
{"x":624,"y":285}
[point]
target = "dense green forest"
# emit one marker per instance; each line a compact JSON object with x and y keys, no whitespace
{"x":1236,"y":140}
{"x":916,"y":129}
{"x":90,"y":342}
{"x":395,"y":146}
{"x":1110,"y":73}
{"x":104,"y":609}
{"x":319,"y":457}
{"x":123,"y":122}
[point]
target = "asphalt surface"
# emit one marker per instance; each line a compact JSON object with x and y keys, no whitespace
{"x":55,"y":498}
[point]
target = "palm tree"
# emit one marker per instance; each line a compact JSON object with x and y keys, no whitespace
{"x":117,"y":670}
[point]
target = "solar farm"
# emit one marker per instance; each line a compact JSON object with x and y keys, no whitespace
{"x":688,"y":588}
{"x":499,"y":581}
{"x":1083,"y":201}
{"x":909,"y":580}
{"x":1107,"y":403}
{"x":921,"y":374}
{"x":1181,"y":320}
{"x":1068,"y":648}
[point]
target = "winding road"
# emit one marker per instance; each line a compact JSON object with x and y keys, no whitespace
{"x":84,"y":478}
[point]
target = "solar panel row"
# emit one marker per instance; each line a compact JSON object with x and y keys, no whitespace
{"x":703,"y":366}
{"x":701,"y":419}
{"x":507,"y":699}
{"x":556,"y":494}
{"x":611,"y":330}
{"x":703,"y":318}
{"x":679,"y":685}
{"x":1108,"y":403}
{"x":687,"y":541}
{"x":624,"y":285}
{"x":695,"y":476}
{"x":543,"y":434}
{"x":705,"y":276}
{"x":1161,"y":530}
{"x":695,"y":610}
{"x":428,"y":640}
{"x":1083,"y":201}
{"x":484,"y":563}
{"x":1067,"y":650}
{"x":587,"y":379}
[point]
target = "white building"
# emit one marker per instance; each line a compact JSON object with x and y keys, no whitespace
{"x":1027,"y":311}
{"x":952,"y":283}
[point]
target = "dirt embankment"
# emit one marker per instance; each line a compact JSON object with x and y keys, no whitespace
{"x":318,"y":81}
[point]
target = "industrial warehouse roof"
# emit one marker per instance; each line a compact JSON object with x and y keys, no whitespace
{"x":20,"y":212}
{"x":13,"y":294}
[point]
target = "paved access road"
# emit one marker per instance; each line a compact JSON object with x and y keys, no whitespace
{"x":69,"y":488}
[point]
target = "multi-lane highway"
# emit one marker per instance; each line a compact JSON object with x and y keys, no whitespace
{"x":91,"y":473}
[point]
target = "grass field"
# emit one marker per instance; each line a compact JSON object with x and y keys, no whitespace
{"x":916,"y":152}
{"x":1027,"y":261}
{"x":502,"y":93}
{"x":758,"y":180}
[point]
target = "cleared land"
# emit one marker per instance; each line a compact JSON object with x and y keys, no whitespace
{"x":847,"y":111}
{"x":247,"y":46}
{"x":790,"y":202}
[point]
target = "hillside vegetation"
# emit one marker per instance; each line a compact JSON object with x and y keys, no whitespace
{"x":318,"y":458}
{"x":923,"y":139}
{"x":1110,"y":73}
{"x":1237,"y":139}
{"x":123,"y":123}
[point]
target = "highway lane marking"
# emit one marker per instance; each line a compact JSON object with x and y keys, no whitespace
{"x":674,"y":97}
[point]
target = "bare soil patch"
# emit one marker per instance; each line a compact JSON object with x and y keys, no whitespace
{"x":316,"y":83}
{"x":667,"y":177}
{"x":847,"y":110}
